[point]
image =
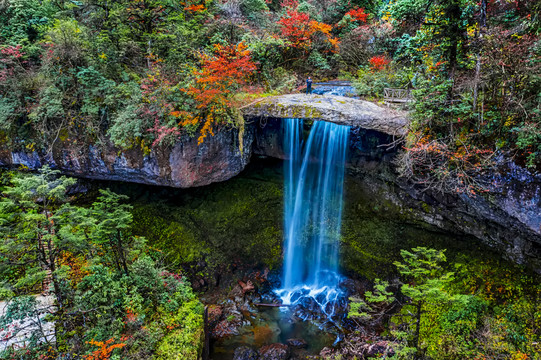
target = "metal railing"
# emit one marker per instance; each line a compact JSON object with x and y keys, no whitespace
{"x":397,"y":95}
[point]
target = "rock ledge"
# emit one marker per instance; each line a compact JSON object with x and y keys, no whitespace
{"x":337,"y":109}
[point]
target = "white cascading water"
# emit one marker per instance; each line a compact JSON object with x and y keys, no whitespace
{"x":314,"y":187}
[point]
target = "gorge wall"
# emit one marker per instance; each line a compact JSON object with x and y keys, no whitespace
{"x":508,"y":218}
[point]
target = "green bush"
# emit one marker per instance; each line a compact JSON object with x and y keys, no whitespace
{"x":185,"y":338}
{"x":370,"y":83}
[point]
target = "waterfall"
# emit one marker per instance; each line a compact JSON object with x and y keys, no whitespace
{"x":313,"y":196}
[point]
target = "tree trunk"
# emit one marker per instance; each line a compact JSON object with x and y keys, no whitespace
{"x":115,"y":255}
{"x":453,"y":14}
{"x":482,"y":27}
{"x":121,"y":253}
{"x":419,"y":307}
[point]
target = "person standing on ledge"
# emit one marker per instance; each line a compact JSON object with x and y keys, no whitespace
{"x":309,"y":85}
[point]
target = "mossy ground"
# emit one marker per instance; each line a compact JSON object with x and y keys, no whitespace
{"x":240,"y":221}
{"x":374,"y":230}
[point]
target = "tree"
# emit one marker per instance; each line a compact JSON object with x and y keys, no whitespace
{"x":112,"y":226}
{"x":425,"y":284}
{"x":219,"y":76}
{"x":13,"y":72}
{"x":31,"y":216}
{"x":41,"y":230}
{"x":440,"y":25}
{"x":108,"y":292}
{"x":375,"y":304}
{"x":300,"y":31}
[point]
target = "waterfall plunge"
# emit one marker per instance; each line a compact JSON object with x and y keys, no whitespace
{"x":314,"y":186}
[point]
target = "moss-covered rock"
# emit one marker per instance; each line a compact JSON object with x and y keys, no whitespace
{"x":238,"y":221}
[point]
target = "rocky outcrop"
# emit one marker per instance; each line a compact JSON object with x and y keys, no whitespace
{"x":507,"y":218}
{"x":337,"y":109}
{"x":186,"y":164}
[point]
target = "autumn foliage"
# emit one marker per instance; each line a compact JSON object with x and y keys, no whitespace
{"x":378,"y":63}
{"x":10,"y":59}
{"x":299,"y":30}
{"x":105,"y":349}
{"x":217,"y":79}
{"x":434,"y":164}
{"x":77,"y":267}
{"x":357,"y":15}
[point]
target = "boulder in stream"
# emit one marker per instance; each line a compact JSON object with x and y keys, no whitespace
{"x":296,"y":343}
{"x":274,"y":352}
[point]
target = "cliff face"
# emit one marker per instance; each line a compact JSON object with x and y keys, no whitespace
{"x":183,"y":165}
{"x":508,"y":218}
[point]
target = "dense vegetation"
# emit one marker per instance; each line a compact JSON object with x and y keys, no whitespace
{"x":140,"y":73}
{"x":111,"y":295}
{"x":454,"y":315}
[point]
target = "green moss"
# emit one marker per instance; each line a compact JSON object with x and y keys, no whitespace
{"x":426,"y":208}
{"x":238,"y":220}
{"x":171,"y":234}
{"x":186,"y":338}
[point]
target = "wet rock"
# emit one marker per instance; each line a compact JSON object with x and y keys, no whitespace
{"x":296,"y":343}
{"x":274,"y":352}
{"x":236,"y":294}
{"x":226,"y":328}
{"x":377,"y":349}
{"x":245,"y":353}
{"x":230,"y":321}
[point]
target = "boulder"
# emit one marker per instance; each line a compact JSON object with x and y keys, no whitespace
{"x":296,"y":343}
{"x":274,"y":352}
{"x":245,"y":353}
